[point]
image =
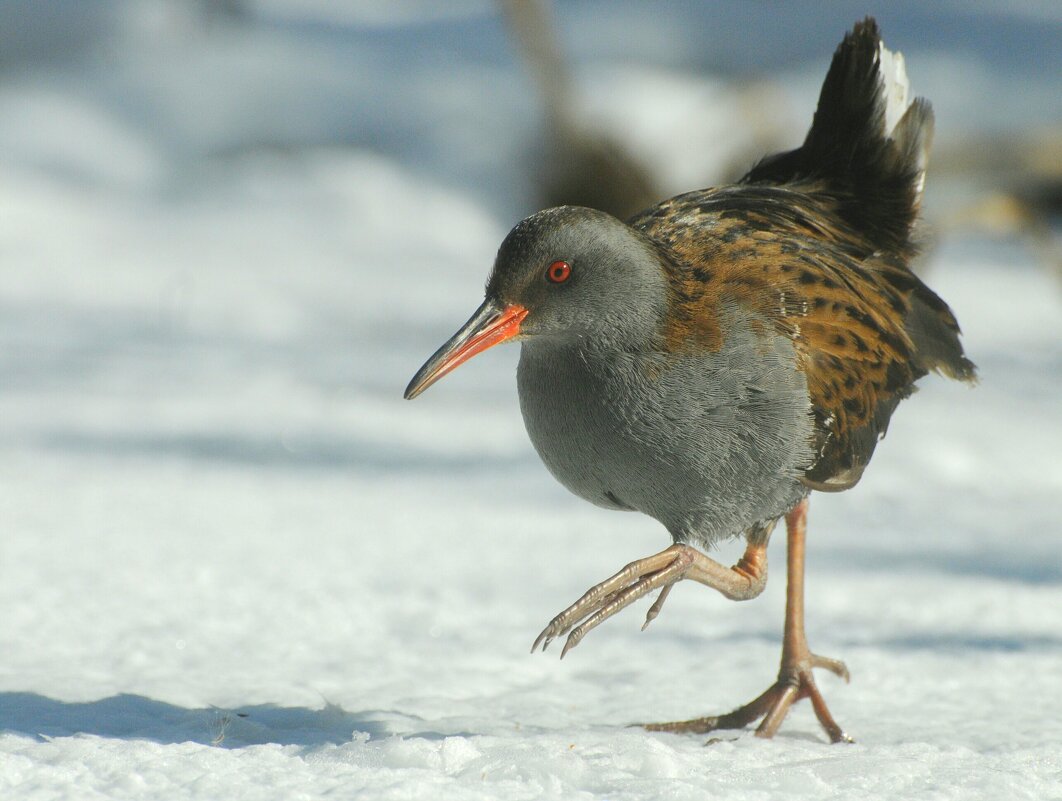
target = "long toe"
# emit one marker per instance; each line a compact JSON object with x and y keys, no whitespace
{"x":738,"y":719}
{"x":822,"y":712}
{"x":772,"y":706}
{"x":614,"y":594}
{"x":835,"y":666}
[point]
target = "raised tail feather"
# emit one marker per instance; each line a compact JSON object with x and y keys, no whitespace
{"x":868,"y":145}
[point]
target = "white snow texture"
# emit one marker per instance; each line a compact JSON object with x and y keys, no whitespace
{"x":235,"y":564}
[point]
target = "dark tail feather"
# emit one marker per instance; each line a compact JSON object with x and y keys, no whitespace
{"x":868,"y":145}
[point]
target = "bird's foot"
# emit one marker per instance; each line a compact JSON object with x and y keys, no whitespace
{"x":795,"y":681}
{"x":604,"y":600}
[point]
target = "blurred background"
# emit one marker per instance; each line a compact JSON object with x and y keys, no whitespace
{"x":231,"y":230}
{"x":218,"y":217}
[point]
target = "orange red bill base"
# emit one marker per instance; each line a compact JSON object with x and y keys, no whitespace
{"x":491,"y":324}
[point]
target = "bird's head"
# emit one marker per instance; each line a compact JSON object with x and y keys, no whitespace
{"x":564,"y":274}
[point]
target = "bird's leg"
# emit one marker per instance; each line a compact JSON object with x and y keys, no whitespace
{"x":744,"y":580}
{"x":795,"y":679}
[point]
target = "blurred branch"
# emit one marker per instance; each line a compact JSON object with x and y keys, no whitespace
{"x":584,"y":167}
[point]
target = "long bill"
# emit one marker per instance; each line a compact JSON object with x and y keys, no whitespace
{"x":492,"y":323}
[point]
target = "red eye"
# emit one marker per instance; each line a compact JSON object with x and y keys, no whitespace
{"x":559,"y":272}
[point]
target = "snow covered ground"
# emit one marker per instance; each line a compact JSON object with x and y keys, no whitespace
{"x":235,"y":564}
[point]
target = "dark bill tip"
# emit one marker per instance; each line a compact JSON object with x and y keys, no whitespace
{"x":492,"y":323}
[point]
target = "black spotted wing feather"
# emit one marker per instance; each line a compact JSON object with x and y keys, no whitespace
{"x":863,"y":326}
{"x":817,"y":241}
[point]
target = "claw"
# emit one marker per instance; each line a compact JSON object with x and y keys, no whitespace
{"x":621,"y":600}
{"x":658,"y":604}
{"x":569,"y":644}
{"x":543,"y":639}
{"x":604,"y":600}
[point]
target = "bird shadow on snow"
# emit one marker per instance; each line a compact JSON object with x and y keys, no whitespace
{"x":134,"y":717}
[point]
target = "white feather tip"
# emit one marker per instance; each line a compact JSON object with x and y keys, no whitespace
{"x":897,"y":87}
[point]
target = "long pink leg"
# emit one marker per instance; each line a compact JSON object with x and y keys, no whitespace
{"x":795,"y":679}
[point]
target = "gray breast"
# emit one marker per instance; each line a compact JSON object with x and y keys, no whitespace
{"x":706,"y":443}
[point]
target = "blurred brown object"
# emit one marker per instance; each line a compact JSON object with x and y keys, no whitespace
{"x":1013,"y":156}
{"x":1023,"y":199}
{"x":584,"y":166}
{"x":1017,"y":177}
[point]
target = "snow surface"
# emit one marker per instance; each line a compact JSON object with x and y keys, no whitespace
{"x":235,"y":564}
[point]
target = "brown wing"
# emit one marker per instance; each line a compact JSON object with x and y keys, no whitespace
{"x":864,"y":327}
